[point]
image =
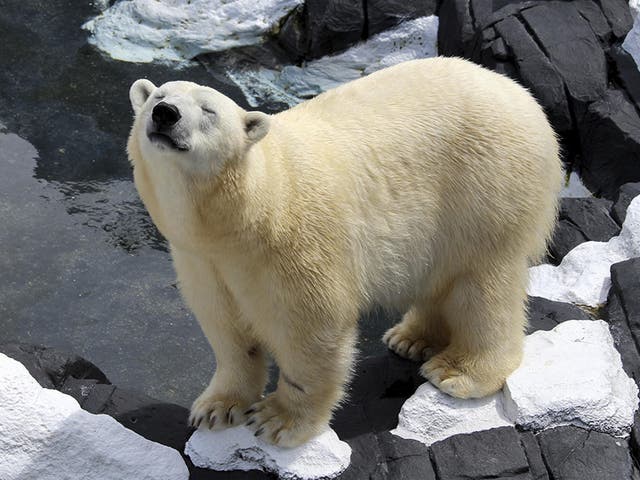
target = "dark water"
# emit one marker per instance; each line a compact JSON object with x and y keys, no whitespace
{"x":82,"y":266}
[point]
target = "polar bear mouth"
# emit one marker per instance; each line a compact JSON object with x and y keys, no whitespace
{"x":167,"y":141}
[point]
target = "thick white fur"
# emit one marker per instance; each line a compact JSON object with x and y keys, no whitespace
{"x":427,"y":186}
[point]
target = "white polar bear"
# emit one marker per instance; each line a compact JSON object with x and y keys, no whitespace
{"x":427,"y":187}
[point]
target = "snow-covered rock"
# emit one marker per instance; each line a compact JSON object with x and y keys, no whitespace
{"x":583,"y":275}
{"x":45,"y":435}
{"x":178,"y":30}
{"x":632,"y":40}
{"x":572,"y":375}
{"x":430,"y":415}
{"x":410,"y":40}
{"x":325,"y":456}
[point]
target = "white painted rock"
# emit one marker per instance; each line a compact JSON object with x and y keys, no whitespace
{"x":583,"y":276}
{"x":178,"y":30}
{"x":632,"y":40}
{"x":45,"y":435}
{"x":431,"y":415}
{"x":410,"y":40}
{"x":572,"y":375}
{"x":323,"y":457}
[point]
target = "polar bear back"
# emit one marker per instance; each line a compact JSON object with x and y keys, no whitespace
{"x":426,"y":160}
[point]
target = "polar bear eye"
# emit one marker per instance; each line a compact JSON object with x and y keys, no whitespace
{"x":208,"y":110}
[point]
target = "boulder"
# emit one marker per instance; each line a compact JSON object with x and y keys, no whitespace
{"x":581,"y":220}
{"x":627,"y":192}
{"x":324,"y":456}
{"x":495,"y":453}
{"x":609,"y":136}
{"x":568,"y":55}
{"x":383,"y":456}
{"x":572,"y":453}
{"x":572,"y":375}
{"x":431,"y":415}
{"x":42,"y":429}
{"x":583,"y":276}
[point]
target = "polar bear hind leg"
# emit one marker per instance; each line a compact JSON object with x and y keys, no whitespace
{"x":485,"y":314}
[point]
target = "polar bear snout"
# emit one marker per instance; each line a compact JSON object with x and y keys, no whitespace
{"x":165,"y":115}
{"x":163,"y":130}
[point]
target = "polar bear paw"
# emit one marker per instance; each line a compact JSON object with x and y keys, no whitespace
{"x":457,"y":379}
{"x":217,"y":412}
{"x":276,"y":424}
{"x":407,"y":343}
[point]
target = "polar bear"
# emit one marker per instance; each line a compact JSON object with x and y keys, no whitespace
{"x":425,"y":187}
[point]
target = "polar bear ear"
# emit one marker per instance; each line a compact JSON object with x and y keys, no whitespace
{"x":256,"y":126}
{"x":139,"y":92}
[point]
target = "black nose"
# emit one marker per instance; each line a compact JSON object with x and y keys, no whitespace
{"x":165,"y":115}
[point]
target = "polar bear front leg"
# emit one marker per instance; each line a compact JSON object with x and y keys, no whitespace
{"x":312,"y":379}
{"x":241,"y":371}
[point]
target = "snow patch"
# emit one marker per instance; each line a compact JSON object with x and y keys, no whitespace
{"x":325,"y":456}
{"x":45,"y":435}
{"x":583,"y":277}
{"x":291,"y":84}
{"x":632,"y":41}
{"x":178,"y":30}
{"x":572,"y":375}
{"x":431,"y":415}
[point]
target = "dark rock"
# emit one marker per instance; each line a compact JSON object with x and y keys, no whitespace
{"x":546,"y":314}
{"x":293,"y":34}
{"x":534,"y":456}
{"x":383,"y":14}
{"x":376,"y":395}
{"x":625,"y":71}
{"x":618,"y":15}
{"x":597,"y":20}
{"x":536,"y":71}
{"x":455,"y":29}
{"x":610,"y":144}
{"x":627,"y":192}
{"x":625,"y":280}
{"x":53,"y":368}
{"x":495,"y":453}
{"x":566,"y":236}
{"x":623,"y":339}
{"x":385,"y":456}
{"x":634,"y":441}
{"x":581,"y":220}
{"x":333,"y":25}
{"x":572,"y":453}
{"x":573,"y":49}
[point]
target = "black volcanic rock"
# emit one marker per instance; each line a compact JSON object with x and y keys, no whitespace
{"x":321,"y":27}
{"x":495,"y":453}
{"x":376,"y":394}
{"x":572,"y":48}
{"x":610,"y":142}
{"x":384,"y":456}
{"x":626,"y":193}
{"x":51,"y":367}
{"x":546,"y":314}
{"x":568,"y":55}
{"x":536,"y":71}
{"x":572,"y":453}
{"x":581,"y":220}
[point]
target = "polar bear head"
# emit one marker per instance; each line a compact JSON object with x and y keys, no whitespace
{"x":195,"y":126}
